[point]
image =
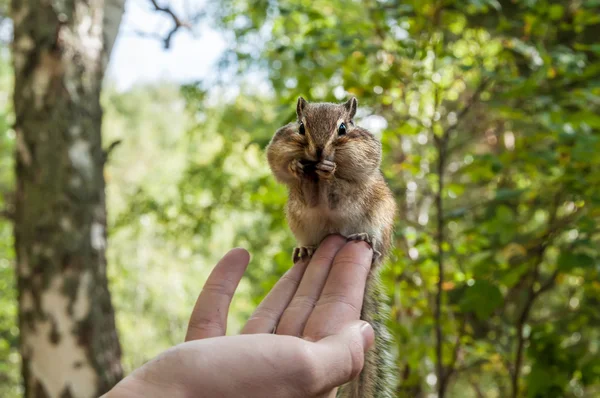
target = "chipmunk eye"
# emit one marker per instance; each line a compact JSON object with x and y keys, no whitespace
{"x":301,"y":129}
{"x":342,"y":129}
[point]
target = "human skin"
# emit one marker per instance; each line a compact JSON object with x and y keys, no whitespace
{"x":304,"y":340}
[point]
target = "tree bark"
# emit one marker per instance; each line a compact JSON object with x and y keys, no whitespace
{"x":69,"y":344}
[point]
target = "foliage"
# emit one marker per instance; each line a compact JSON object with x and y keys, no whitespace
{"x":488,"y":114}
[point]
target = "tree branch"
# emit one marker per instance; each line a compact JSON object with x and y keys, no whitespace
{"x":7,"y":215}
{"x":533,"y":294}
{"x":521,"y":340}
{"x":457,"y":345}
{"x":442,"y":147}
{"x":111,"y":147}
{"x":178,"y":23}
{"x":476,"y":388}
{"x":441,"y":144}
{"x":472,"y":100}
{"x":8,"y":212}
{"x":472,"y":365}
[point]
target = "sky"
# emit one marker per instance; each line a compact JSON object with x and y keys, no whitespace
{"x":136,"y":59}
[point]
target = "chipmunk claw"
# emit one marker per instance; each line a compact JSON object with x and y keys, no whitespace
{"x":302,"y":253}
{"x":365,"y":237}
{"x":296,"y":168}
{"x":325,"y":168}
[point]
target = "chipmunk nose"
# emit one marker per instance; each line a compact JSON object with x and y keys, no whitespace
{"x":314,"y":154}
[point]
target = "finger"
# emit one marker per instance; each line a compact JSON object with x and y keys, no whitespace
{"x":326,"y":165}
{"x":342,"y":296}
{"x":266,"y":316}
{"x":209,"y":317}
{"x":299,"y":309}
{"x":339,"y":358}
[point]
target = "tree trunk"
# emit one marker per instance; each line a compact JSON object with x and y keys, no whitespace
{"x":69,"y":343}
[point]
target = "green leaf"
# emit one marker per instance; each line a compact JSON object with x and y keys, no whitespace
{"x":591,"y":3}
{"x":595,"y":48}
{"x":504,"y":214}
{"x":482,"y":298}
{"x":537,"y":381}
{"x":514,"y":275}
{"x":556,"y":12}
{"x":506,"y":194}
{"x":590,"y":372}
{"x":567,"y":261}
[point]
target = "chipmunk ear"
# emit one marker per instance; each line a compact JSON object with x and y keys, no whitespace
{"x":351,"y":106}
{"x":300,"y":107}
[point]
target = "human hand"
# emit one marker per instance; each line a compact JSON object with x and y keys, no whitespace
{"x":318,"y":343}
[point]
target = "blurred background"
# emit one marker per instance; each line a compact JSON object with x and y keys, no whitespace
{"x":489,"y":114}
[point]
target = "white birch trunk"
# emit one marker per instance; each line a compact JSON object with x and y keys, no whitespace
{"x":69,"y":342}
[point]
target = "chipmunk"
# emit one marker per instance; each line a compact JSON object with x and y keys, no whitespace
{"x":331,"y":168}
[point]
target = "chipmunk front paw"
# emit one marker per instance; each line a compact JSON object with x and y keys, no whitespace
{"x":296,"y":168}
{"x":365,"y":237}
{"x":325,"y":169}
{"x":303,"y":252}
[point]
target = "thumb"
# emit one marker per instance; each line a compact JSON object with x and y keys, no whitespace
{"x":342,"y":355}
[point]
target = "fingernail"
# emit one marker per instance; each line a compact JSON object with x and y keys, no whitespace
{"x":368,"y":335}
{"x":358,"y":242}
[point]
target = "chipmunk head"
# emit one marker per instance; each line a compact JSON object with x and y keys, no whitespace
{"x":326,"y":131}
{"x":325,"y":126}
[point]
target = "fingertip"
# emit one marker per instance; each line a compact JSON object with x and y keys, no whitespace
{"x":239,"y":250}
{"x":301,"y":262}
{"x":234,"y":261}
{"x":368,"y":335}
{"x":359,"y":251}
{"x":361,"y":244}
{"x":239,"y":255}
{"x":330,"y":246}
{"x":334,"y":240}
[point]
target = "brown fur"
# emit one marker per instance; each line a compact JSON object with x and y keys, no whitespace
{"x":353,"y":198}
